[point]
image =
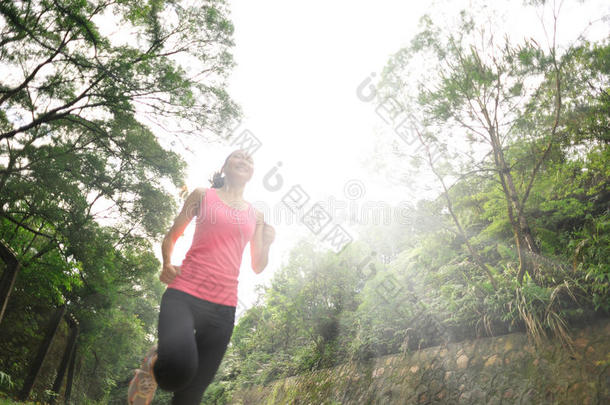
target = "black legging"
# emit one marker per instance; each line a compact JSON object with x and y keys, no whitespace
{"x":193,"y":338}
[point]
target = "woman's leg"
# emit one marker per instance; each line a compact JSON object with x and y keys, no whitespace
{"x":176,"y":362}
{"x":214,"y":327}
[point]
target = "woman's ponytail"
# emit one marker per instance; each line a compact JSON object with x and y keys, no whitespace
{"x":217,"y":180}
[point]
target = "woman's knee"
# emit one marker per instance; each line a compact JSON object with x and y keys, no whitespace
{"x":175,"y":371}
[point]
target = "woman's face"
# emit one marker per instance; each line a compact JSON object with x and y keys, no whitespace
{"x":239,"y":165}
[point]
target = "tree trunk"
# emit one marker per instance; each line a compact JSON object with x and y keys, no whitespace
{"x":66,"y":359}
{"x":8,"y":276}
{"x":42,"y":352}
{"x":524,"y":241}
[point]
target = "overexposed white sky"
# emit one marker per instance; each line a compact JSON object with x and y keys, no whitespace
{"x":298,"y":67}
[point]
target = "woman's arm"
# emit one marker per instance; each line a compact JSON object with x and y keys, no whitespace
{"x":189,"y":210}
{"x":261,"y":241}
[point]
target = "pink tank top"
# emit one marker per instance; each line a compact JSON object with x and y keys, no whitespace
{"x":211,"y":266}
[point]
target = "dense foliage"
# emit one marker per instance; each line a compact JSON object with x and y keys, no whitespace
{"x":86,"y":177}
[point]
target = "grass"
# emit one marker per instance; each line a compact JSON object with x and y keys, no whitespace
{"x":7,"y":401}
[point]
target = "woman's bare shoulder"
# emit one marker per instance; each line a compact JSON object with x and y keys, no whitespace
{"x":200,"y":191}
{"x":196,"y":195}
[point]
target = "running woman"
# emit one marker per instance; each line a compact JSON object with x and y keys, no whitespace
{"x":197,"y":311}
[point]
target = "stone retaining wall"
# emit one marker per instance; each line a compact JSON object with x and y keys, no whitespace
{"x":500,"y":370}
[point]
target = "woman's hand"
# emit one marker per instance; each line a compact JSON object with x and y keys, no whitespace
{"x":268,"y":235}
{"x":169,"y":273}
{"x":268,"y":230}
{"x":263,"y":237}
{"x":260,"y":218}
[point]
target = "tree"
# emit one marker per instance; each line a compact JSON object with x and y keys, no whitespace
{"x":298,"y":323}
{"x":72,"y":105}
{"x":486,"y":94}
{"x":92,"y":94}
